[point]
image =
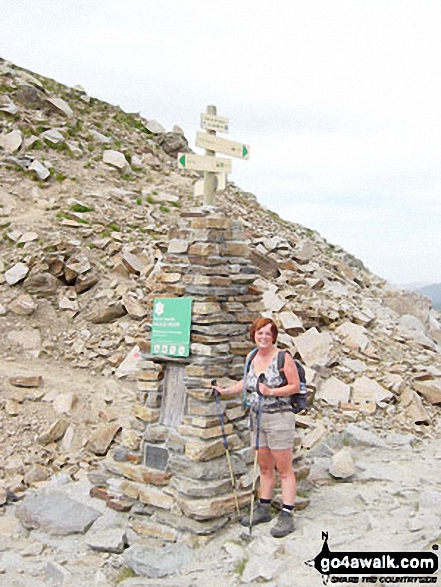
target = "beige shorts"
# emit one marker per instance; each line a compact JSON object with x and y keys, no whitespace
{"x":277,"y":430}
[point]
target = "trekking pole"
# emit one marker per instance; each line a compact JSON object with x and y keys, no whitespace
{"x":261,"y":379}
{"x":225,"y":441}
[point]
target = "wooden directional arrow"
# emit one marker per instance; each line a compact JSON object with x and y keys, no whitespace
{"x":204,"y":163}
{"x":220,"y":145}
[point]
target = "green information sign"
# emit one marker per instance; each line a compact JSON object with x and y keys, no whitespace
{"x":171,"y":327}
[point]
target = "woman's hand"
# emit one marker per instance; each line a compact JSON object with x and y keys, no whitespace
{"x":233,"y":390}
{"x":220,"y":391}
{"x":265,"y":390}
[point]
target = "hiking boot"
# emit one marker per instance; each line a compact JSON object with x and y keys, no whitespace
{"x":284,"y":525}
{"x":261,"y":514}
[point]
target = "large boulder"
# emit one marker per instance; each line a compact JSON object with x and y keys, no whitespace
{"x":174,"y":143}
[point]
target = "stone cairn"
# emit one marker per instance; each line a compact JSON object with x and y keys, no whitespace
{"x":178,"y":476}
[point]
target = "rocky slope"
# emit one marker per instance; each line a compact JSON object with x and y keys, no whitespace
{"x":88,"y":194}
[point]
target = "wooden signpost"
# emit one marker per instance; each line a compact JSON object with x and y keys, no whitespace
{"x":211,"y":165}
{"x":221,"y":145}
{"x":204,"y":163}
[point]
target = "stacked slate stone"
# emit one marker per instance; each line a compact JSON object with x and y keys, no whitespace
{"x":179,"y":473}
{"x":207,"y":260}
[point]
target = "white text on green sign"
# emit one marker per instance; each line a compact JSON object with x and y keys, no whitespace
{"x":220,"y":145}
{"x":204,"y":163}
{"x":171,"y":325}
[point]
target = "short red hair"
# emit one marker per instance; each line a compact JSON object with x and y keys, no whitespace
{"x":261,"y":323}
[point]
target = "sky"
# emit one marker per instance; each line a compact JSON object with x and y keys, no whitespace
{"x":339,"y":101}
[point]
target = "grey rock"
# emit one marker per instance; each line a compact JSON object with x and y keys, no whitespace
{"x":356,"y":436}
{"x":29,"y":96}
{"x":409,"y":303}
{"x":366,"y":391}
{"x":377,"y":472}
{"x":353,"y":335}
{"x":333,"y":391}
{"x":100,"y":137}
{"x":185,"y":524}
{"x":173,"y":143}
{"x":106,"y":314}
{"x":146,"y":582}
{"x":410,"y":327}
{"x":430,"y":499}
{"x":8,"y":106}
{"x":41,"y":171}
{"x":75,"y":266}
{"x":413,"y":405}
{"x":115,"y":159}
{"x":342,"y":466}
{"x":401,"y":439}
{"x":430,"y":390}
{"x":56,"y":514}
{"x":41,"y":283}
{"x":157,"y":563}
{"x":56,"y":574}
{"x":260,"y":568}
{"x":108,"y":534}
{"x":28,"y":338}
{"x":53,"y":135}
{"x":86,"y":281}
{"x":314,"y":347}
{"x":304,"y":252}
{"x":154,"y":126}
{"x":11,"y":141}
{"x":272,"y":301}
{"x":23,"y":305}
{"x":60,"y":106}
{"x":16,"y":273}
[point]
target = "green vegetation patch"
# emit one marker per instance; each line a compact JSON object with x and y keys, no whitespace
{"x":80,"y":208}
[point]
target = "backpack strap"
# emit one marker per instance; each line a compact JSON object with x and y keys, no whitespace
{"x":281,"y":366}
{"x":301,"y":372}
{"x":245,"y":373}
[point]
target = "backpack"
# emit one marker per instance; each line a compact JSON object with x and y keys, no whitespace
{"x":298,"y":400}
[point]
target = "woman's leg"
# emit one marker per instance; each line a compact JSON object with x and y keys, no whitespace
{"x":283,"y":462}
{"x":267,"y":472}
{"x":262,"y":513}
{"x":285,"y":521}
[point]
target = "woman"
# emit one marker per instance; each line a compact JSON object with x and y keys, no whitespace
{"x":277,"y":424}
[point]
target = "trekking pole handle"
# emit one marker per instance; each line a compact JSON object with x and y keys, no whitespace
{"x":214,"y":390}
{"x":260,"y":379}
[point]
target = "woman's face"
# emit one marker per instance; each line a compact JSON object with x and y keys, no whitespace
{"x":264,"y":337}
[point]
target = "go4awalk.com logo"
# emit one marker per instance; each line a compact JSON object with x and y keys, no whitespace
{"x":375,"y":567}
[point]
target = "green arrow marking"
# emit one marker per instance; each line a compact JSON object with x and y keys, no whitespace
{"x":244,"y":151}
{"x":182,"y":160}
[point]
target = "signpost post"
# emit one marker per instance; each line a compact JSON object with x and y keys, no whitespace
{"x":171,"y":327}
{"x":209,"y":178}
{"x":209,"y":163}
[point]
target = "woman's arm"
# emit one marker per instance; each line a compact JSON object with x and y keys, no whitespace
{"x":233,"y":390}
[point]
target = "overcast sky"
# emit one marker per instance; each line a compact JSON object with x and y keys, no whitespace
{"x":339,"y":101}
